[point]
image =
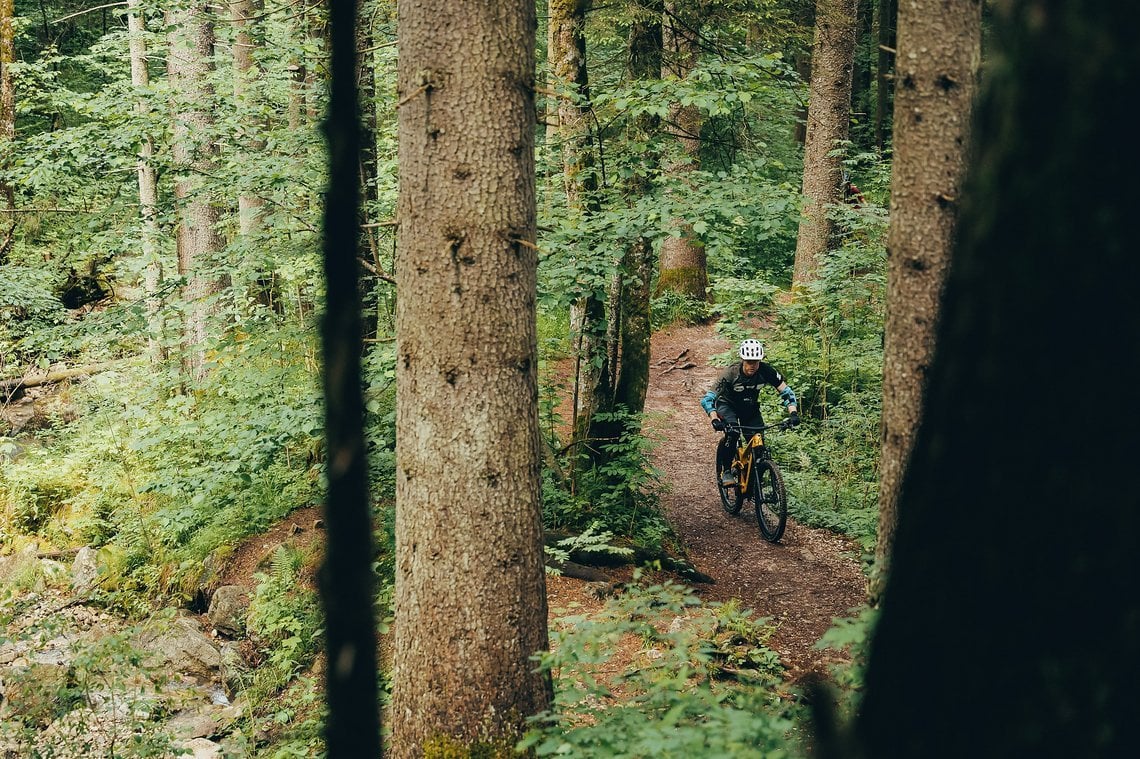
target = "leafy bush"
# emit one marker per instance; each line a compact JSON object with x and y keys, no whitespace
{"x":700,"y":684}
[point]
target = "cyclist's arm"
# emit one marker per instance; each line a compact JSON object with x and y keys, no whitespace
{"x":787,"y":397}
{"x":708,"y":403}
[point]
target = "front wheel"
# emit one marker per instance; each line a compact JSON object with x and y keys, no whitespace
{"x":771,"y":500}
{"x":730,"y":498}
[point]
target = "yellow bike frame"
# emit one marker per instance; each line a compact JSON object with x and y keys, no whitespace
{"x":745,"y":455}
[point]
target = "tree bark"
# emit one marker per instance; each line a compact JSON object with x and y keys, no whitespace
{"x":940,"y":47}
{"x":347,"y":593}
{"x":7,"y":119}
{"x":888,"y":13}
{"x":829,"y":115}
{"x":246,"y":73}
{"x":467,"y":480}
{"x":189,"y":65}
{"x":683,"y":263}
{"x":1011,"y":614}
{"x":148,"y":190}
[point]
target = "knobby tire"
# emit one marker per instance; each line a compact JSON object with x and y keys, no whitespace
{"x":730,"y":499}
{"x":771,"y":500}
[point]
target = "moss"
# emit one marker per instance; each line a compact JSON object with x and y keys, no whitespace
{"x":690,"y":281}
{"x":446,"y":747}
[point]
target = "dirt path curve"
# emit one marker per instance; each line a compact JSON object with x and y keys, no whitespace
{"x":802,"y":582}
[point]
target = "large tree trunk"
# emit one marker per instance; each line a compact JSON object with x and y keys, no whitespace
{"x":1011,"y":614}
{"x":567,"y":58}
{"x":148,"y":189}
{"x":941,"y":50}
{"x":644,"y":64}
{"x":7,"y":123}
{"x":189,"y":65}
{"x":829,"y":116}
{"x":684,"y":265}
{"x":347,"y":593}
{"x":467,"y":480}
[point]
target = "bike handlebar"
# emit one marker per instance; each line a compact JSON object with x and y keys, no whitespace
{"x":781,"y":425}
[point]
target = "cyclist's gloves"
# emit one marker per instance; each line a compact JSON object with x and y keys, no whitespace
{"x":794,"y":419}
{"x":718,"y":424}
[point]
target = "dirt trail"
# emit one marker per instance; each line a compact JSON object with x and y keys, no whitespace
{"x":802,"y":582}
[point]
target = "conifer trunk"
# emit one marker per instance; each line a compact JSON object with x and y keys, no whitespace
{"x":940,"y":44}
{"x":829,"y":114}
{"x":470,"y":583}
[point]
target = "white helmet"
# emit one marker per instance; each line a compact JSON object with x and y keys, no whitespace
{"x":751,"y":350}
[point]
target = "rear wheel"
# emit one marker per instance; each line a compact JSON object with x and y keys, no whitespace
{"x":730,"y":498}
{"x":771,"y":500}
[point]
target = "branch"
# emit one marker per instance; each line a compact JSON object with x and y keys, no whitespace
{"x":88,"y":10}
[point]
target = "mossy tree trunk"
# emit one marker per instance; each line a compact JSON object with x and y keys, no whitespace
{"x":683,"y":262}
{"x":941,"y":50}
{"x":1011,"y":614}
{"x":470,"y":585}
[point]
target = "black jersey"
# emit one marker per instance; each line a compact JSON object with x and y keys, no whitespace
{"x":740,"y":393}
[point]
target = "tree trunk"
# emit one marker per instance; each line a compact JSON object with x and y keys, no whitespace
{"x":644,"y":64}
{"x":347,"y":592}
{"x":888,"y":12}
{"x":593,"y":385}
{"x":7,"y":122}
{"x":246,"y":72}
{"x":467,"y":481}
{"x":684,"y":265}
{"x":829,"y":107}
{"x":1011,"y":613}
{"x":189,"y":67}
{"x":148,"y":190}
{"x":941,"y":50}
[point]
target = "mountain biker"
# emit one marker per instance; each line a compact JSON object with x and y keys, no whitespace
{"x":733,"y":401}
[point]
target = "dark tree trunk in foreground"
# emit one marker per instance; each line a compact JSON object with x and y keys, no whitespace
{"x":941,"y":43}
{"x":470,"y":584}
{"x":1011,"y":617}
{"x":353,"y":727}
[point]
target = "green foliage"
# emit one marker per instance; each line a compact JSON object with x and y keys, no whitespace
{"x":853,"y":636}
{"x":284,"y":623}
{"x":620,"y":495}
{"x":670,"y":308}
{"x":700,"y":682}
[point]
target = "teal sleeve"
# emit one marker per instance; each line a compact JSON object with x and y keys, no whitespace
{"x":788,"y":397}
{"x":707,"y":401}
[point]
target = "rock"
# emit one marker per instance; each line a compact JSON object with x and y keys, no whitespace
{"x":182,"y":647}
{"x":200,"y":748}
{"x":84,"y":570}
{"x":203,"y":721}
{"x":227,"y":610}
{"x":18,"y":565}
{"x":235,"y":668}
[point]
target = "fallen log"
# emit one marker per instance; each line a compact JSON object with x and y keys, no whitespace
{"x":637,"y":556}
{"x":16,"y":384}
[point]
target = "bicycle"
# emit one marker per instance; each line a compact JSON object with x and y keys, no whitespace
{"x":757,"y":479}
